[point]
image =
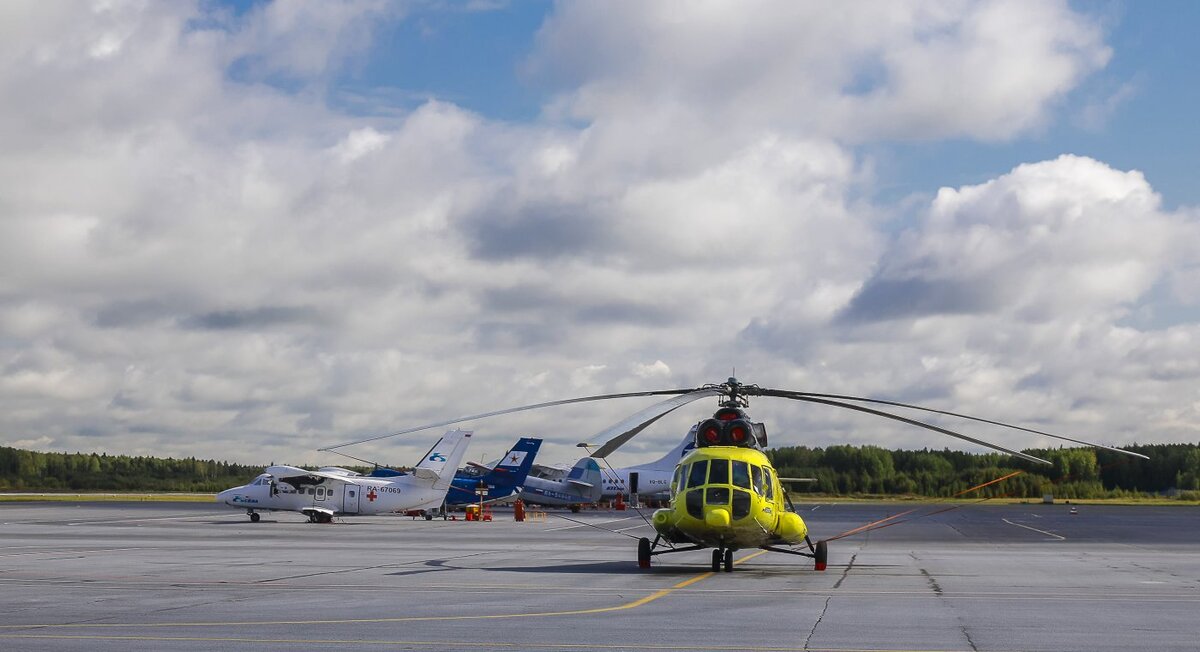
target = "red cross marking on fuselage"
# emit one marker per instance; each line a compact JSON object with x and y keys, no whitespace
{"x":371,"y":495}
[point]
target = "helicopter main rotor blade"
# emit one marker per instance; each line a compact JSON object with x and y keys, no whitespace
{"x":623,"y":431}
{"x":896,"y":417}
{"x":536,"y":406}
{"x":778,"y":392}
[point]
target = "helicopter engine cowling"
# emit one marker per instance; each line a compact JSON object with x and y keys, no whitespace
{"x":727,"y":429}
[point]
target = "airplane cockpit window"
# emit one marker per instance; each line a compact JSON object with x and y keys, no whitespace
{"x":757,"y":477}
{"x":741,"y":474}
{"x":718,"y":472}
{"x":472,"y":471}
{"x":697,"y":473}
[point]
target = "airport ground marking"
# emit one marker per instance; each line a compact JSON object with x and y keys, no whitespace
{"x":1056,"y":536}
{"x":347,"y":621}
{"x":490,"y":644}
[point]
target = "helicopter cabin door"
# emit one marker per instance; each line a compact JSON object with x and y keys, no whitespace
{"x":350,"y":498}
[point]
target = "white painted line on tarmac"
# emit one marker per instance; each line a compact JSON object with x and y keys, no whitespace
{"x":1050,"y":534}
{"x":572,"y":527}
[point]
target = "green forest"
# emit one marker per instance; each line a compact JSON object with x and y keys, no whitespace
{"x":1172,"y":469}
{"x":22,"y":470}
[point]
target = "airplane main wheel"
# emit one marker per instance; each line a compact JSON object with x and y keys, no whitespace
{"x":428,"y":516}
{"x":254,"y":517}
{"x":644,"y":553}
{"x":822,"y":555}
{"x":575,"y":509}
{"x":729,"y":560}
{"x":716,"y":560}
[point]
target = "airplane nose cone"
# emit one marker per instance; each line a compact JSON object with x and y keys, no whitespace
{"x":223,"y":497}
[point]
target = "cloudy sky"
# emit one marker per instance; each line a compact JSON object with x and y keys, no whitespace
{"x":246,"y":230}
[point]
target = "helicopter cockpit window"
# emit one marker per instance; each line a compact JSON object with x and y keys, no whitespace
{"x":677,"y":481}
{"x":757,"y":477}
{"x":717,"y":496}
{"x":697,"y":473}
{"x":695,"y":503}
{"x":768,"y":483}
{"x":718,"y":472}
{"x":741,"y":504}
{"x":741,"y":474}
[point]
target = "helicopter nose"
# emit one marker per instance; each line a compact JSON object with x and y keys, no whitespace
{"x":717,"y":517}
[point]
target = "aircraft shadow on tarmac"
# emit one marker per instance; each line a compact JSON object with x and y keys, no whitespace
{"x":585,"y":568}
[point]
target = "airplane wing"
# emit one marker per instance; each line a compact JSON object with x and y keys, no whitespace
{"x":548,"y":472}
{"x":297,"y":476}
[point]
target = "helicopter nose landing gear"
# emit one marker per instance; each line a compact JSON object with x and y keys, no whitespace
{"x":722,"y":557}
{"x":821,"y":555}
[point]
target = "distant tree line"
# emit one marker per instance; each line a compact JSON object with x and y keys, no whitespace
{"x":839,"y":470}
{"x":1075,"y":472}
{"x":22,"y":470}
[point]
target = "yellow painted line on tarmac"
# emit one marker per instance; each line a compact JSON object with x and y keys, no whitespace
{"x":574,"y":612}
{"x":481,"y":644}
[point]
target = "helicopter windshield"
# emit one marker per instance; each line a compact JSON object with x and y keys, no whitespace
{"x":720,"y":483}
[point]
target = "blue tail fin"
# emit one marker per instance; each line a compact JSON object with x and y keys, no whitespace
{"x":502,"y":481}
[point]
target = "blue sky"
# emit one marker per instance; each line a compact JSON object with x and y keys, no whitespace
{"x":248,"y":230}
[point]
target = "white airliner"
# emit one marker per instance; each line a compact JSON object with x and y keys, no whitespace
{"x":333,"y":491}
{"x":649,"y":480}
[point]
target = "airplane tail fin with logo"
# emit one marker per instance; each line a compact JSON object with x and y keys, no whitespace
{"x":442,"y":460}
{"x":515,"y":466}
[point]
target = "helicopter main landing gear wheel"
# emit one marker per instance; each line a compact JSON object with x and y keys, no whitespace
{"x":729,"y":560}
{"x":717,"y":556}
{"x":644,"y":553}
{"x":821,"y":555}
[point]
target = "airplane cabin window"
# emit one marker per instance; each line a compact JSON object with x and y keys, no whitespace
{"x":718,"y":472}
{"x":717,"y":496}
{"x":697,"y":473}
{"x":741,"y":474}
{"x":757,"y":478}
{"x":352,"y":494}
{"x":741,"y":504}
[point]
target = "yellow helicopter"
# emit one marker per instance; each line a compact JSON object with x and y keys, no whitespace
{"x":725,"y":494}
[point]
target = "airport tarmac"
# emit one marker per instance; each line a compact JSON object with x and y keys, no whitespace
{"x":194,"y":576}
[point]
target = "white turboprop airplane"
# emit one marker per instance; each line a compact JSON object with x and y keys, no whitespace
{"x":649,"y":480}
{"x":332,"y":491}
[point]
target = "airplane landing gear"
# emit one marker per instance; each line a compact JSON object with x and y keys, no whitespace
{"x":253,"y":516}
